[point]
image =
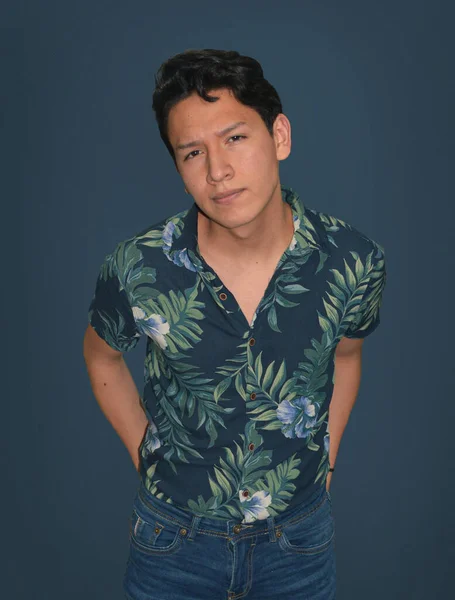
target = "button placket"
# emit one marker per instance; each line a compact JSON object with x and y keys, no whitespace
{"x":226,"y":299}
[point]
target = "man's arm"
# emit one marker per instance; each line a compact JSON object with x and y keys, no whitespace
{"x":348,"y":366}
{"x":115,"y":391}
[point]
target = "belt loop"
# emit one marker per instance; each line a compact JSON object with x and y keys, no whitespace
{"x":271,"y":526}
{"x":194,"y":526}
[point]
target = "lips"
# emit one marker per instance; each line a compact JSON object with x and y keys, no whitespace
{"x":228,"y":195}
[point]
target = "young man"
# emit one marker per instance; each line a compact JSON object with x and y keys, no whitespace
{"x":255,"y":307}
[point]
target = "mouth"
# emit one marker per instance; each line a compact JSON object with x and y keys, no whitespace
{"x":230,"y":198}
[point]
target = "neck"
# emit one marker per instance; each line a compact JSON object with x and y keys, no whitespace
{"x":255,"y":243}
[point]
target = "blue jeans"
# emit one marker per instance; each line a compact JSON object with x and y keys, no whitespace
{"x":176,"y":555}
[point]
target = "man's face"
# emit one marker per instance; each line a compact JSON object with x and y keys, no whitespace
{"x":244,"y":157}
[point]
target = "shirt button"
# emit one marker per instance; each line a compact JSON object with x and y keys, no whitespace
{"x":253,"y":395}
{"x":223,"y":296}
{"x":252,"y":342}
{"x":245,"y":493}
{"x":251,"y":446}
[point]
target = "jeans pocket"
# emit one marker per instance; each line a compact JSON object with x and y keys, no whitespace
{"x":158,"y":536}
{"x":309,"y":533}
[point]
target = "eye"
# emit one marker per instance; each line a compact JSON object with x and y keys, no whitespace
{"x":191,"y":154}
{"x":237,"y":136}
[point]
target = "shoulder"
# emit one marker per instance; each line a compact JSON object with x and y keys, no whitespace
{"x":151,"y":240}
{"x":344,"y":239}
{"x":163,"y":227}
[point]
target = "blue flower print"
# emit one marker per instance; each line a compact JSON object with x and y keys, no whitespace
{"x":326,"y":443}
{"x":293,"y":243}
{"x":299,"y":417}
{"x":168,"y":233}
{"x":151,"y":441}
{"x":254,"y":507}
{"x":155,"y":326}
{"x":179,"y":257}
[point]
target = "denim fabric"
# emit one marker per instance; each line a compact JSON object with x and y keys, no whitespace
{"x":176,"y":555}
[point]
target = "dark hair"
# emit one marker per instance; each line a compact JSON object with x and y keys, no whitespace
{"x":205,"y":70}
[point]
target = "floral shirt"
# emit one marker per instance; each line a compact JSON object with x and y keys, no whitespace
{"x":238,"y":411}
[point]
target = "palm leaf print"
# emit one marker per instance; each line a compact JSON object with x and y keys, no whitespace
{"x":324,"y":465}
{"x":108,"y":267}
{"x":151,"y":239}
{"x":273,"y":400}
{"x":114,"y":326}
{"x":181,"y":311}
{"x":186,"y":388}
{"x":243,"y":487}
{"x":348,"y":294}
{"x":233,"y":371}
{"x":156,"y":238}
{"x":136,"y":278}
{"x":151,"y":484}
{"x":306,"y":233}
{"x":265,"y":389}
{"x":171,"y":322}
{"x":341,"y":307}
{"x":276,"y":402}
{"x":331,"y":224}
{"x":113,"y":330}
{"x":285,"y":283}
{"x":292,"y":260}
{"x":186,"y":391}
{"x":373,"y":296}
{"x":278,"y":484}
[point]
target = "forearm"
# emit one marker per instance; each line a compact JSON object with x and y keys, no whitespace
{"x":347,"y":382}
{"x":118,"y":398}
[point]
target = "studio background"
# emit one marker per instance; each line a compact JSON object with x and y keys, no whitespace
{"x":368,"y":88}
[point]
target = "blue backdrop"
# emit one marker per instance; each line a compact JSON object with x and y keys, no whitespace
{"x":368,"y":88}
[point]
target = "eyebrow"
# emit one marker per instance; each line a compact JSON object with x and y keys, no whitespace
{"x":219,"y":134}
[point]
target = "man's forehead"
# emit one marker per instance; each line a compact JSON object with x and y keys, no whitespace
{"x":187,"y":139}
{"x":191,"y":129}
{"x":189,"y":120}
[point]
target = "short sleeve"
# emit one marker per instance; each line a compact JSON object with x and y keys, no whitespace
{"x":368,"y":316}
{"x":110,"y":312}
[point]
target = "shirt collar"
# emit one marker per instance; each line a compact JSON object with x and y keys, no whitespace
{"x":309,"y":232}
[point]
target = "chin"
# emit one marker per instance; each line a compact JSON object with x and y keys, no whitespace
{"x":236,"y":220}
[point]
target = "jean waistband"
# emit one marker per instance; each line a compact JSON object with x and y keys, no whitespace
{"x":146,"y":503}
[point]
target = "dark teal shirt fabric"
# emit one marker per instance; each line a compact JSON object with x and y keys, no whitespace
{"x":238,"y":411}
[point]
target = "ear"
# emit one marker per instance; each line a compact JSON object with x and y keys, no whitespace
{"x":282,"y":136}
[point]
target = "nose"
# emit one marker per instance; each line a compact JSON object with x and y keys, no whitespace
{"x":219,"y":166}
